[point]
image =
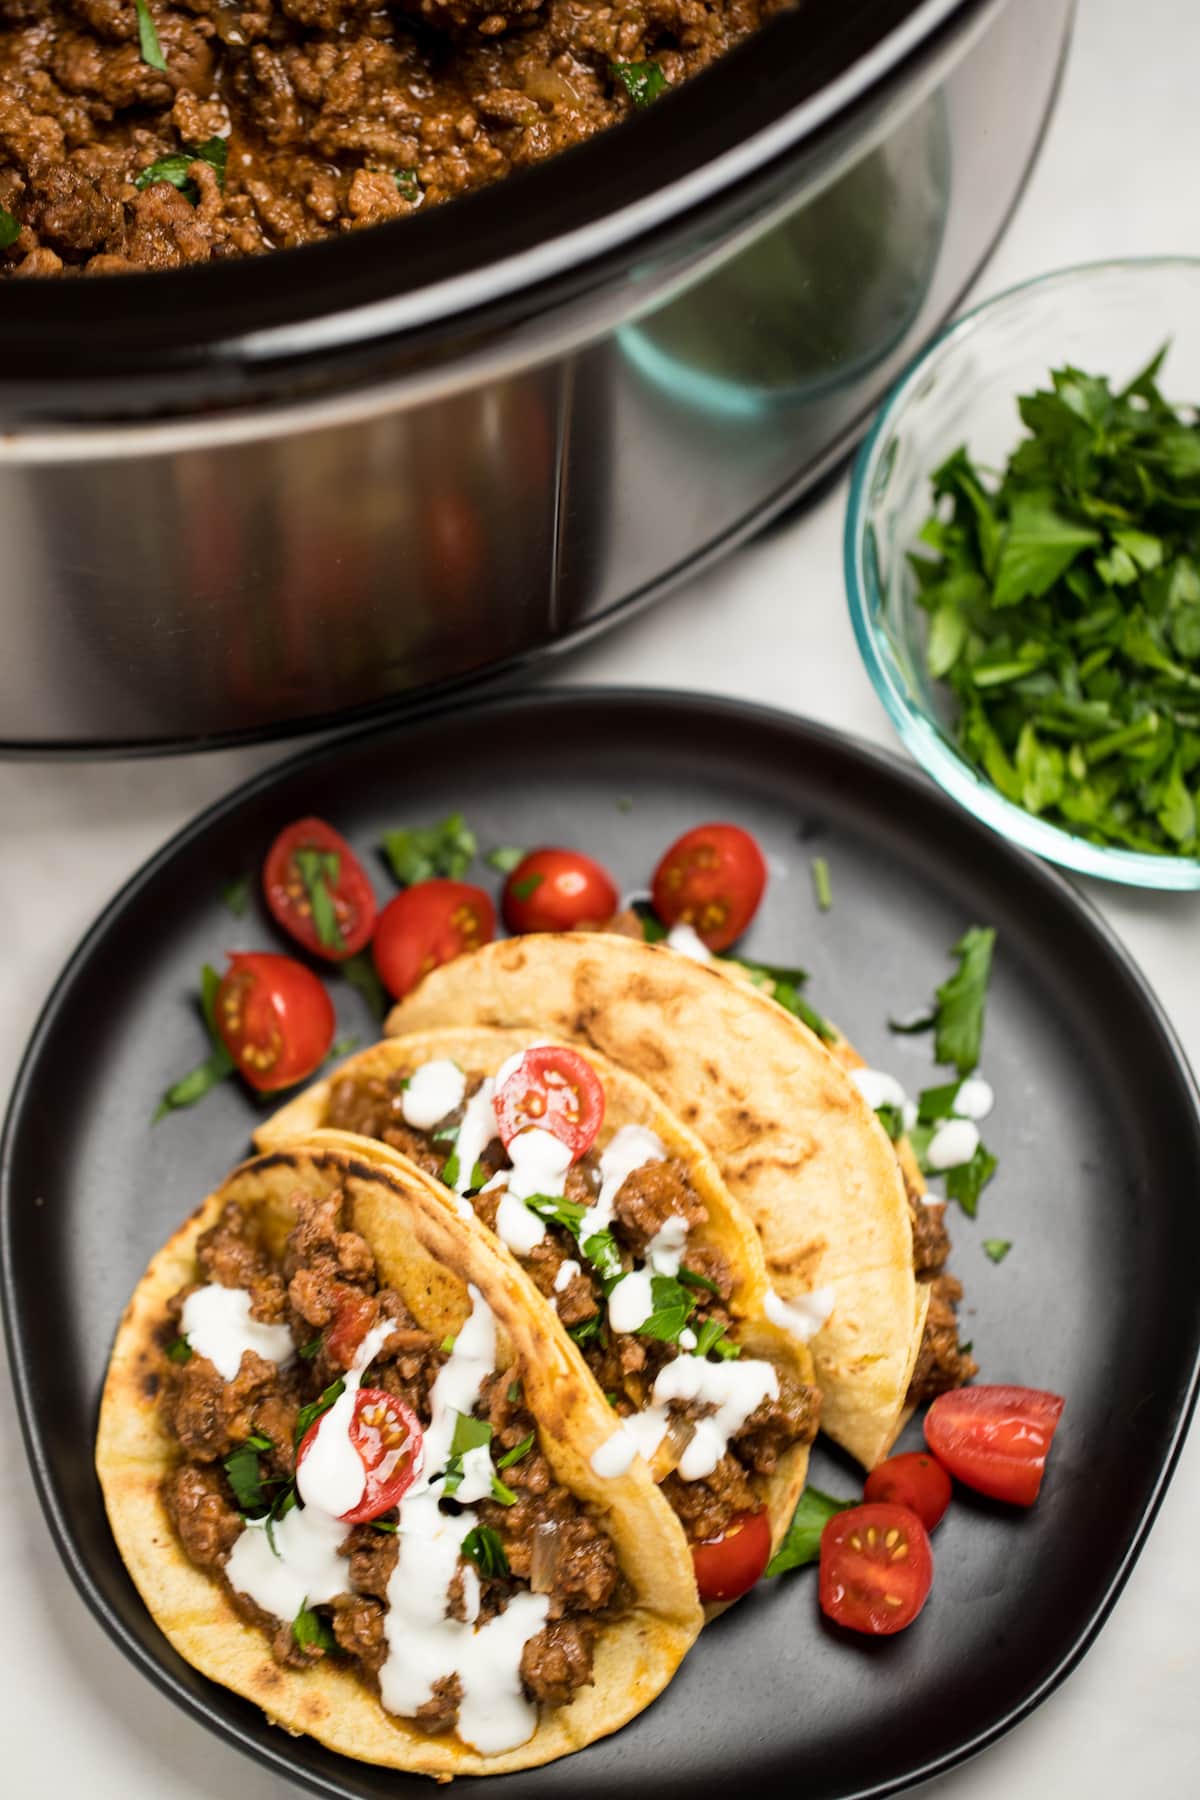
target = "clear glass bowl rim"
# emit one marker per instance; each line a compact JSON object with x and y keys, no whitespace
{"x":920,"y":736}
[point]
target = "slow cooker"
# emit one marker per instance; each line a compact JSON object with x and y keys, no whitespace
{"x":267,"y":494}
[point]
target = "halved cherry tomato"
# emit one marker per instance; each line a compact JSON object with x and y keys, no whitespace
{"x":558,"y":890}
{"x":274,"y":1018}
{"x":318,"y":890}
{"x":556,"y":1090}
{"x":387,"y":1436}
{"x":728,"y":1566}
{"x":712,"y":879}
{"x":995,"y":1439}
{"x":876,"y":1568}
{"x":914,"y":1480}
{"x":430,"y":923}
{"x":351,"y":1322}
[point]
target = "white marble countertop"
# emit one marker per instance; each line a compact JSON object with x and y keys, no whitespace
{"x":1116,"y":178}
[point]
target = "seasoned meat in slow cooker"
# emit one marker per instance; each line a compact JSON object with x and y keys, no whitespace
{"x":137,"y":134}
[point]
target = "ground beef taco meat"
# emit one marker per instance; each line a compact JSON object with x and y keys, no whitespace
{"x":640,"y":1199}
{"x":258,"y":1354}
{"x":273,"y":123}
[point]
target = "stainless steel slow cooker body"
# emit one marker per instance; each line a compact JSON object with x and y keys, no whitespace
{"x":249,"y":497}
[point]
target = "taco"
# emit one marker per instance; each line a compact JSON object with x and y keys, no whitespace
{"x":796,"y":1142}
{"x":618,"y":1215}
{"x":351,"y":1473}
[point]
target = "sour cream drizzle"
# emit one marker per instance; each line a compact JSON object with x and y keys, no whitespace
{"x":955,"y":1141}
{"x":732,"y":1389}
{"x":424,"y":1645}
{"x":476,"y":1132}
{"x":803,"y":1315}
{"x":878,"y":1088}
{"x":687,"y":941}
{"x":216,"y":1322}
{"x":434,"y":1091}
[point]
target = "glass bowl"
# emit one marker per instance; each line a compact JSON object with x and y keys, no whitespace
{"x":1107,"y":318}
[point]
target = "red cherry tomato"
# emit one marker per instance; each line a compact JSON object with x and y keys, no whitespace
{"x":274,"y":1018}
{"x":308,"y":857}
{"x":728,"y":1566}
{"x":914,"y":1480}
{"x":388,"y":1439}
{"x":430,"y":923}
{"x":712,"y":879}
{"x":556,"y":1090}
{"x":351,"y":1322}
{"x":995,"y":1439}
{"x":876,"y":1568}
{"x":558,"y":890}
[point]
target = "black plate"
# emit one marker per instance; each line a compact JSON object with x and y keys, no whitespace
{"x":1096,"y":1128}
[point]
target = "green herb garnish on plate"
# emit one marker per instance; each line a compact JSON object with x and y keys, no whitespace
{"x":1064,"y":611}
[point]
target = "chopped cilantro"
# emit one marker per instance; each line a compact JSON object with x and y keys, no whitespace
{"x":217,"y":1064}
{"x":236,"y":895}
{"x":340,"y":1047}
{"x":319,"y":871}
{"x":516,"y":1453}
{"x":418,"y":853}
{"x":528,"y":884}
{"x":673,"y":1306}
{"x":915,"y":1022}
{"x":653,"y":929}
{"x":469,"y":1434}
{"x":587,"y":1329}
{"x":692,"y":1279}
{"x":711,"y":1339}
{"x":997,"y":1248}
{"x":821,"y":886}
{"x":148,"y":44}
{"x":892,"y":1119}
{"x":802,"y":1542}
{"x":309,"y":1350}
{"x":784,"y":987}
{"x":486,"y":1550}
{"x":504,"y":1496}
{"x":514,"y":1392}
{"x":180,"y":1351}
{"x":384,"y":1525}
{"x":447,"y":1345}
{"x":505,"y":858}
{"x":968,"y":1180}
{"x":174,"y":167}
{"x":308,"y":1415}
{"x":311,"y":1631}
{"x":361,"y":973}
{"x":409,"y":184}
{"x":937,"y":1102}
{"x":10,"y":228}
{"x":1064,"y":611}
{"x":960,"y":1001}
{"x":246,"y":1479}
{"x":643,"y":81}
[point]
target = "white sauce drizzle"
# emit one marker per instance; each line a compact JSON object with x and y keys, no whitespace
{"x":307,"y":1569}
{"x":476,"y":1132}
{"x":434,"y":1090}
{"x":688,"y":1339}
{"x":975,"y":1098}
{"x":216,"y":1322}
{"x":733,"y":1388}
{"x":686,"y":940}
{"x":516,"y":1226}
{"x":631,"y":1301}
{"x":954,"y":1142}
{"x":332,"y":1477}
{"x":568,"y":1269}
{"x":664,"y":1252}
{"x":879,"y":1088}
{"x":424,"y":1646}
{"x":539,"y":1164}
{"x":615,"y":1455}
{"x":803,"y":1315}
{"x":630,"y":1148}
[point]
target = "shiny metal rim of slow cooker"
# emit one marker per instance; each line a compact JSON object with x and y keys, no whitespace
{"x":546,"y":259}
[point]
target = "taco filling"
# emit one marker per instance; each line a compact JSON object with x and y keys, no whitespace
{"x":613,"y":1236}
{"x":359,"y":1489}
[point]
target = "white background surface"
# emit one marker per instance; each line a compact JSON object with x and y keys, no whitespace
{"x":1119,"y":175}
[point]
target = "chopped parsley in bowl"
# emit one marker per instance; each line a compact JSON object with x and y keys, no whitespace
{"x":1023,"y":560}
